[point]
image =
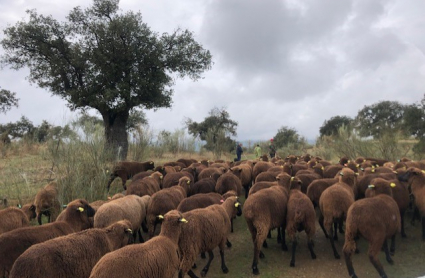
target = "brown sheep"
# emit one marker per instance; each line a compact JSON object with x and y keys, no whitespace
{"x":334,"y":204}
{"x":73,"y":219}
{"x":202,"y":200}
{"x":131,"y":207}
{"x":244,"y":173}
{"x":283,"y":179}
{"x":205,"y":185}
{"x":46,"y":202}
{"x":12,"y":218}
{"x":316,"y":188}
{"x":162,"y":202}
{"x":332,"y":170}
{"x":29,"y":210}
{"x":400,"y":193}
{"x":145,"y":186}
{"x":208,"y":172}
{"x":228,"y":182}
{"x":376,"y":161}
{"x":306,"y":180}
{"x":259,"y":167}
{"x":266,"y":176}
{"x":127,"y":169}
{"x":292,"y":169}
{"x":416,"y":179}
{"x":206,"y":229}
{"x":73,"y":255}
{"x":263,"y":211}
{"x":156,"y":258}
{"x":365,"y":180}
{"x":376,"y":219}
{"x":172,"y":179}
{"x":300,"y":216}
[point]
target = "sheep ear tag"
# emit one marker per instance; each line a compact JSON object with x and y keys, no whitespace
{"x":392,"y":184}
{"x":129,"y":231}
{"x":221,"y":201}
{"x":188,"y":182}
{"x":80,"y":209}
{"x":237,"y":204}
{"x":371,"y":186}
{"x":423,"y":171}
{"x":182,"y":220}
{"x":160,"y":217}
{"x":292,"y":178}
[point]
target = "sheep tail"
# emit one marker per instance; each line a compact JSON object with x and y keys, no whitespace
{"x":299,"y":216}
{"x":350,"y":234}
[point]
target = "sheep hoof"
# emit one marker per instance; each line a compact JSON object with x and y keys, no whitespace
{"x":204,"y":272}
{"x":225,"y":270}
{"x":313,"y":256}
{"x":262,"y":255}
{"x":337,"y":256}
{"x":292,"y":264}
{"x":228,"y":244}
{"x":255,"y":270}
{"x":390,"y":261}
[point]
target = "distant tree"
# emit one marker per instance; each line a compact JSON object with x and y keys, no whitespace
{"x":7,"y":100}
{"x":216,"y":130}
{"x":102,"y":59}
{"x":414,"y":119}
{"x":330,"y":127}
{"x":379,"y":118}
{"x":285,"y":136}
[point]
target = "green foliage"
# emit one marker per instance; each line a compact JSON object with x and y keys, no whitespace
{"x":216,"y":130}
{"x":285,"y":136}
{"x":102,"y":59}
{"x":331,"y":126}
{"x":376,"y":119}
{"x":7,"y":100}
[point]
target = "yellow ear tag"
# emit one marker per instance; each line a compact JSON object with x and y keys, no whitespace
{"x":237,"y":204}
{"x":323,"y":168}
{"x":183,"y":220}
{"x":160,"y":217}
{"x":161,"y":177}
{"x":373,"y":166}
{"x":341,"y":173}
{"x":423,"y":171}
{"x":392,"y":184}
{"x":292,"y":178}
{"x":371,"y":186}
{"x":373,"y":170}
{"x":107,"y":171}
{"x":188,"y":182}
{"x":358,"y":165}
{"x":129,"y":230}
{"x":151,"y":162}
{"x":80,"y":209}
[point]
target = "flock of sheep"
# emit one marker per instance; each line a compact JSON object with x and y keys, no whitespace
{"x":195,"y":204}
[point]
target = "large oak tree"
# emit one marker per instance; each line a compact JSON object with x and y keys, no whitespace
{"x":102,"y":59}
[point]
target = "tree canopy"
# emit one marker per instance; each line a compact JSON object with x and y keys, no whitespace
{"x":378,"y":118}
{"x":106,"y":60}
{"x":330,"y":127}
{"x":7,"y":100}
{"x":284,"y":136}
{"x":216,"y":130}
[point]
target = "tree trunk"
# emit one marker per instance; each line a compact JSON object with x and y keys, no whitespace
{"x":116,"y":134}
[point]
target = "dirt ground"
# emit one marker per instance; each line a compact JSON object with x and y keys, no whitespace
{"x":409,"y":258}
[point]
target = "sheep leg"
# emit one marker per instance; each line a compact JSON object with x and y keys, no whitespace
{"x":258,"y":241}
{"x":279,"y":235}
{"x":333,"y":243}
{"x":39,"y":219}
{"x":265,"y":244}
{"x":207,"y":266}
{"x":203,"y":255}
{"x":373,"y":257}
{"x":310,"y":245}
{"x":423,"y":228}
{"x":335,"y":229}
{"x":144,"y":227}
{"x":284,"y":247}
{"x":228,"y":243}
{"x":294,"y":247}
{"x":223,"y":264}
{"x":403,"y":234}
{"x":340,"y":226}
{"x":231,"y":225}
{"x":321,"y":219}
{"x":140,"y":236}
{"x":191,"y":274}
{"x":387,"y":253}
{"x":349,"y":264}
{"x":392,"y":248}
{"x":269,"y":235}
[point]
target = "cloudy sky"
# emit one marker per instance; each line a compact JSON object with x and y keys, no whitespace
{"x":276,"y":62}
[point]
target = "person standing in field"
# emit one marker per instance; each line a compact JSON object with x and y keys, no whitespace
{"x":239,"y":152}
{"x":257,"y":151}
{"x":272,"y":149}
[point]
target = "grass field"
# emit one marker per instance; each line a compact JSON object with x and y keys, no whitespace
{"x":23,"y":174}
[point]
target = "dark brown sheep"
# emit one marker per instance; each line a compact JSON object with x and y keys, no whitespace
{"x":228,"y":182}
{"x":244,"y":173}
{"x":127,"y":169}
{"x":300,"y":216}
{"x":364,"y":181}
{"x":292,"y":169}
{"x":332,"y":170}
{"x":334,"y":203}
{"x":145,"y":186}
{"x":73,"y":219}
{"x":259,"y":167}
{"x":202,"y":200}
{"x":187,"y":161}
{"x":209,"y":172}
{"x":205,"y":185}
{"x":46,"y":202}
{"x":263,"y":211}
{"x":73,"y":255}
{"x":172,"y":179}
{"x":266,"y":176}
{"x":316,"y":188}
{"x":416,"y":179}
{"x":282,"y":179}
{"x":156,"y":258}
{"x":12,"y":218}
{"x":376,"y":219}
{"x":206,"y":229}
{"x":162,"y":202}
